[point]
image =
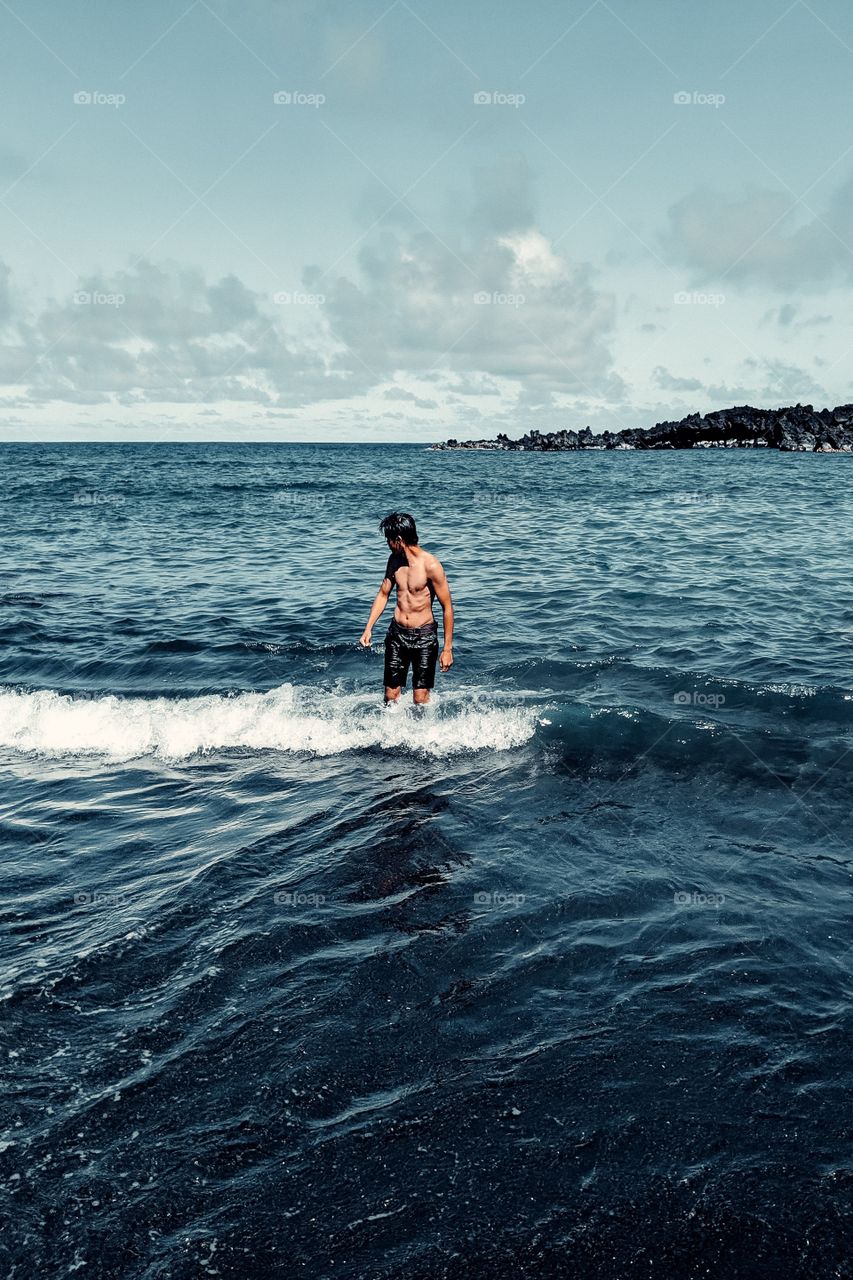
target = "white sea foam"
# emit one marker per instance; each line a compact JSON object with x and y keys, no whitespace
{"x":288,"y":718}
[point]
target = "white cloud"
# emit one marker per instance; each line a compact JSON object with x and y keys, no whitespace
{"x":787,"y":317}
{"x":669,"y":382}
{"x":490,"y":305}
{"x":499,"y":301}
{"x":763,"y":237}
{"x":163,"y":334}
{"x":400,"y":393}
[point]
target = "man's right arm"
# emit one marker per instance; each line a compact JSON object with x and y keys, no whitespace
{"x":378,"y":605}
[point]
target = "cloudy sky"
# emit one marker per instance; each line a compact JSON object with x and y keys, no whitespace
{"x":355,"y":219}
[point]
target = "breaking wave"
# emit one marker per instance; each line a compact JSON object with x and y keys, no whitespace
{"x":289,"y":718}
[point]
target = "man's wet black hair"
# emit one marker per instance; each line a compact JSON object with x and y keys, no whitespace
{"x":400,"y":525}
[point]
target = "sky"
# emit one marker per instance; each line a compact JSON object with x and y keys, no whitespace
{"x":405,"y":221}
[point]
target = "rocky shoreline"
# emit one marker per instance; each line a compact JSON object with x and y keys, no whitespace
{"x":798,"y":429}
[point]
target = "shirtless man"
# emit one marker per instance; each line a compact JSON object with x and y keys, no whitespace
{"x":413,"y":634}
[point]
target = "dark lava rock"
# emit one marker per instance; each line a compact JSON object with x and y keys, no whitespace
{"x":796,"y":429}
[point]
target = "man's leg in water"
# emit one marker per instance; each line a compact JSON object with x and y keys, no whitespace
{"x":423,"y":668}
{"x":396,"y":664}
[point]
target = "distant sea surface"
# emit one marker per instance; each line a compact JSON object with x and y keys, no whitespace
{"x":551,"y":981}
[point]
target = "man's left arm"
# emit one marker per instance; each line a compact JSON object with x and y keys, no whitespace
{"x":437,"y":577}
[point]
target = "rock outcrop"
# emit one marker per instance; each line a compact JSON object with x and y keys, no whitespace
{"x":797,"y":429}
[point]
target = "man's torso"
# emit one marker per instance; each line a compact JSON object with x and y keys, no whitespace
{"x":415,"y":592}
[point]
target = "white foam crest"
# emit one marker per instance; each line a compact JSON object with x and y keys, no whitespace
{"x":288,"y":718}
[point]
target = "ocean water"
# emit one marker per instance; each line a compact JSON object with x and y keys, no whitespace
{"x":551,"y":981}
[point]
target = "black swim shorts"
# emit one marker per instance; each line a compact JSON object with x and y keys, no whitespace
{"x":417,"y":646}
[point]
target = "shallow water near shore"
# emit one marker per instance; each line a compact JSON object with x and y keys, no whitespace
{"x":551,"y":980}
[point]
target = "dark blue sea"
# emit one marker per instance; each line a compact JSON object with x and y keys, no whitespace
{"x":552,"y":981}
